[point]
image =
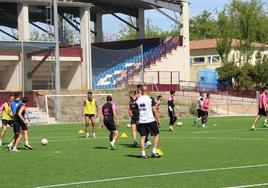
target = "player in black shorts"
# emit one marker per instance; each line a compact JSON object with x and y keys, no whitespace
{"x":20,"y":123}
{"x":133,"y":112}
{"x":109,"y":118}
{"x":171,"y":111}
{"x":148,"y":119}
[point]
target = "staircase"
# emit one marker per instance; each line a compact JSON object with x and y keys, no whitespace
{"x":38,"y":116}
{"x":119,"y":74}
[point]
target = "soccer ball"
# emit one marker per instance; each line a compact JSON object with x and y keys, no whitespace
{"x":179,"y":123}
{"x":44,"y":141}
{"x":128,"y":125}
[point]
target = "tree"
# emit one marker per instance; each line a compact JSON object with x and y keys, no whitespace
{"x":203,"y":26}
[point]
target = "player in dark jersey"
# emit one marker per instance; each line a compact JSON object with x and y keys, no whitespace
{"x":133,"y":112}
{"x":109,"y":118}
{"x":171,"y":111}
{"x":20,"y":123}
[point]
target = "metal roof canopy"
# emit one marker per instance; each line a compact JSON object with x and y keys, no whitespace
{"x":38,"y":8}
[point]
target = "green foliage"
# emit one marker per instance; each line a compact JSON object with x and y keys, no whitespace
{"x":203,"y":26}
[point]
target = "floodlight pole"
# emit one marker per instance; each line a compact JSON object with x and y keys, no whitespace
{"x":57,"y":62}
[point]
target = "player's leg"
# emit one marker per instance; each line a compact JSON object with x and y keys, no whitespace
{"x":26,"y":137}
{"x":154,"y":131}
{"x":87,"y":125}
{"x":134,"y":133}
{"x":17,"y":142}
{"x":258,"y":117}
{"x":93,"y":123}
{"x":143,"y":134}
{"x":4,"y":130}
{"x":172,"y":120}
{"x":204,"y":119}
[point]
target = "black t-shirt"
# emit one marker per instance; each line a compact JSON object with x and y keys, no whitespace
{"x":171,"y":104}
{"x":107,"y":112}
{"x":134,"y":108}
{"x":16,"y":116}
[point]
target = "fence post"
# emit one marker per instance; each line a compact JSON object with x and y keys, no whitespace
{"x":158,"y":77}
{"x":171,"y":77}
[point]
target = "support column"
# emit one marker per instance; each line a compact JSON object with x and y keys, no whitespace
{"x":186,"y":40}
{"x":140,"y":24}
{"x":86,"y":65}
{"x":23,"y":31}
{"x":98,"y":28}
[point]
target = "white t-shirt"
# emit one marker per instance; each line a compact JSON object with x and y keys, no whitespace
{"x":145,"y":104}
{"x":199,"y":103}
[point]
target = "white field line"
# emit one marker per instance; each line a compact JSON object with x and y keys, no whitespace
{"x":252,"y":185}
{"x":154,"y":175}
{"x":163,"y":137}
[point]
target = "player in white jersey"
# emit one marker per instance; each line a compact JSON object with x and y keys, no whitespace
{"x":148,"y":119}
{"x":199,"y":105}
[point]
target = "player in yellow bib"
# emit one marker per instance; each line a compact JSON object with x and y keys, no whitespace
{"x":6,"y":116}
{"x":90,"y":113}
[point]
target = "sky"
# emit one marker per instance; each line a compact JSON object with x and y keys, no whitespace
{"x":111,"y":24}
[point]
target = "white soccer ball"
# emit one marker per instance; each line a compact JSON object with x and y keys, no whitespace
{"x":44,"y":141}
{"x":128,"y":125}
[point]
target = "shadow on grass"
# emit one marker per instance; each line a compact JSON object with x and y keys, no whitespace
{"x":100,"y":147}
{"x":134,"y":156}
{"x":129,"y":146}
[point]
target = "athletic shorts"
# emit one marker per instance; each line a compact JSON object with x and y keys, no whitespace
{"x":204,"y":114}
{"x":90,"y":115}
{"x":19,"y":126}
{"x":262,"y":112}
{"x":110,"y":125}
{"x":199,"y":113}
{"x":7,"y":122}
{"x":145,"y":128}
{"x":134,"y":120}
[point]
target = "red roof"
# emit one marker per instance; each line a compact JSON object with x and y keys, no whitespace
{"x":212,"y":44}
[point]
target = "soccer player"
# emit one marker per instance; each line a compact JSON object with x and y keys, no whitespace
{"x":205,"y":108}
{"x":199,"y":108}
{"x":6,"y":117}
{"x":133,"y":112}
{"x":171,"y":111}
{"x":148,"y":143}
{"x":90,"y":111}
{"x":14,"y":106}
{"x":110,"y":121}
{"x":148,"y":118}
{"x":262,"y":103}
{"x":20,"y":123}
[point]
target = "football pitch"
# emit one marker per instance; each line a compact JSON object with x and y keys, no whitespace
{"x":226,"y":154}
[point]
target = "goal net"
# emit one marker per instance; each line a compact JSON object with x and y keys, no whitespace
{"x":71,"y":107}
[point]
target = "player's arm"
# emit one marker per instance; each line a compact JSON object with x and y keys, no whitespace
{"x":97,"y":108}
{"x":20,"y":114}
{"x":83,"y":108}
{"x":129,"y":111}
{"x":27,"y":114}
{"x":115,"y":116}
{"x":101,"y":117}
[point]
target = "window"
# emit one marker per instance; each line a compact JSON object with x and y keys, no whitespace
{"x":214,"y":59}
{"x":198,"y":60}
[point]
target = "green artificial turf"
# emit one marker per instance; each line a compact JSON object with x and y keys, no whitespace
{"x":70,"y":158}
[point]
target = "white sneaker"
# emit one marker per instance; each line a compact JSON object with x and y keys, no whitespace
{"x":1,"y":143}
{"x":87,"y":136}
{"x":112,"y":146}
{"x":15,"y":150}
{"x":171,"y":128}
{"x":94,"y":135}
{"x":204,"y":126}
{"x":9,"y":146}
{"x":148,"y":144}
